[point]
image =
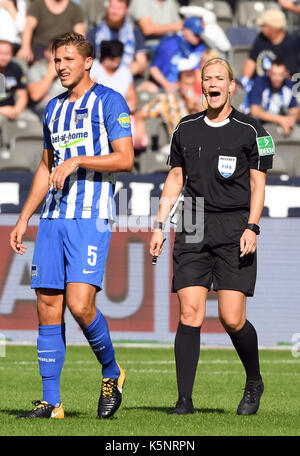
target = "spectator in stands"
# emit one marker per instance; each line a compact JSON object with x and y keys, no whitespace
{"x":170,"y":107}
{"x":273,"y":42}
{"x":156,"y":18}
{"x":117,"y":25}
{"x":43,"y":83}
{"x":45,"y":20}
{"x":109,"y":71}
{"x":289,"y":5}
{"x":12,"y":21}
{"x":15,"y":101}
{"x":173,"y":51}
{"x":272,"y":99}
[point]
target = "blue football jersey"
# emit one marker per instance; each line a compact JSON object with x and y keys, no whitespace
{"x":84,"y":127}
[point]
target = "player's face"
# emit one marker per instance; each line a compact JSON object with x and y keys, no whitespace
{"x":71,"y":67}
{"x":217,"y":86}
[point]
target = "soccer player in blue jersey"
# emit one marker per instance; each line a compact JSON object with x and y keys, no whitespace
{"x":87,"y":138}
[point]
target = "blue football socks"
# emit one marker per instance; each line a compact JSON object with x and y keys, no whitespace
{"x":97,"y":334}
{"x":51,"y":349}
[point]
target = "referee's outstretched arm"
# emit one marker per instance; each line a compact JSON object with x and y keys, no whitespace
{"x":171,"y":191}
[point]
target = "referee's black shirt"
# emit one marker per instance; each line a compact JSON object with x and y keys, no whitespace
{"x":217,"y":158}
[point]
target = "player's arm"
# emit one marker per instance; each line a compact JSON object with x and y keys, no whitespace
{"x":37,"y":193}
{"x":171,"y":191}
{"x":122,"y":159}
{"x":257,"y":198}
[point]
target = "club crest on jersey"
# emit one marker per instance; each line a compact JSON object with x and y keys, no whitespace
{"x":124,"y":120}
{"x":34,"y":270}
{"x":80,"y":114}
{"x":226,"y":165}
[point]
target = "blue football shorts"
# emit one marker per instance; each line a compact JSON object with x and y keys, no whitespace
{"x":70,"y":250}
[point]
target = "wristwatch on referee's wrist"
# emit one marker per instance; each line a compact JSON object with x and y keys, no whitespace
{"x":159,"y":225}
{"x":253,"y":227}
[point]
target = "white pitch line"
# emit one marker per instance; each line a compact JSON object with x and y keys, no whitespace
{"x":161,"y":362}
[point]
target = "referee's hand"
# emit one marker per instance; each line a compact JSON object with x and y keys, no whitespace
{"x":247,"y":243}
{"x":156,"y":243}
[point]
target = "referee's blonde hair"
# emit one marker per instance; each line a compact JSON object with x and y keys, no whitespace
{"x":223,"y":62}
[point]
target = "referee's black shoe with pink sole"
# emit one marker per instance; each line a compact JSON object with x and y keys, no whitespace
{"x":250,"y":401}
{"x":183,"y":406}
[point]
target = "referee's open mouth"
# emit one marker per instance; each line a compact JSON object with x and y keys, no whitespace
{"x":214,"y":95}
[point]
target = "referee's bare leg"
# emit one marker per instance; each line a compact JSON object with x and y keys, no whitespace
{"x":232,"y":314}
{"x":192,"y":302}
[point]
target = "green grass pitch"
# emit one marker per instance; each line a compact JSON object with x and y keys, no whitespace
{"x":149,"y":392}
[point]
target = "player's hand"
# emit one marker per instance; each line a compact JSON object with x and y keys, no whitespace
{"x":16,"y":237}
{"x":61,"y":172}
{"x":247,"y":243}
{"x":156,"y":243}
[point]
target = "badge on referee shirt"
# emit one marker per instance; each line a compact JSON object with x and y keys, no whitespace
{"x":226,"y":165}
{"x":265,"y":145}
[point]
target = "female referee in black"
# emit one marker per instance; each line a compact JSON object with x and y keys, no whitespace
{"x":220,"y":156}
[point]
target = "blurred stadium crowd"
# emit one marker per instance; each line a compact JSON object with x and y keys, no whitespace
{"x":152,"y":52}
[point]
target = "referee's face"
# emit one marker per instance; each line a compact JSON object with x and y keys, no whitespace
{"x":71,"y":66}
{"x":217,"y":86}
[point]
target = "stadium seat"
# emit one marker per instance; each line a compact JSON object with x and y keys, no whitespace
{"x":279,"y":166}
{"x":153,"y":162}
{"x":20,"y":128}
{"x":93,"y":11}
{"x":241,"y":36}
{"x":221,"y":9}
{"x":24,"y":154}
{"x":289,"y":153}
{"x":276,"y":133}
{"x":238,"y":98}
{"x":144,"y":98}
{"x":274,"y":130}
{"x":247,"y":11}
{"x":237,"y":56}
{"x":297,"y":167}
{"x":154,"y":158}
{"x":223,"y":12}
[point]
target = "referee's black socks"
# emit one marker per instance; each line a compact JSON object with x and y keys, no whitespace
{"x":187,"y":351}
{"x":246,"y":345}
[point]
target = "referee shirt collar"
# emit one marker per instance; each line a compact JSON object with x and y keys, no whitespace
{"x":218,"y":124}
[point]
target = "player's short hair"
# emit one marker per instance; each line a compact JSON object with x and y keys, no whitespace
{"x":223,"y":62}
{"x":84,"y":46}
{"x":111,"y":49}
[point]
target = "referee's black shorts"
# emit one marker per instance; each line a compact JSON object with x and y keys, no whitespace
{"x":215,"y":261}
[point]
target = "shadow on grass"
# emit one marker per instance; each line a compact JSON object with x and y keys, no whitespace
{"x":18,"y":413}
{"x":166,"y":409}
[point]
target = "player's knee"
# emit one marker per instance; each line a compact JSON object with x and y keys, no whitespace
{"x":232,"y":323}
{"x":82,"y":313}
{"x":190,"y":316}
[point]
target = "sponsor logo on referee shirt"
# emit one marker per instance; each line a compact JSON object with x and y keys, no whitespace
{"x":226,"y":165}
{"x":265,"y":145}
{"x":124,"y":120}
